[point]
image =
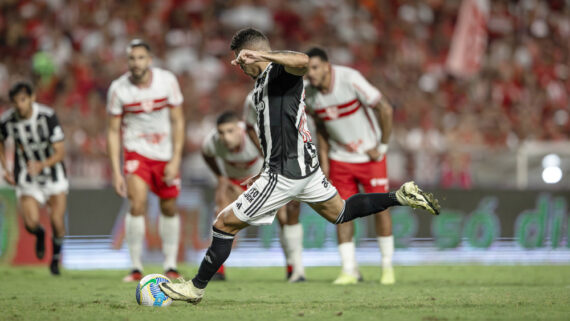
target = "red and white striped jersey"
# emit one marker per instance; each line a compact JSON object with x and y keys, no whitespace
{"x":350,"y":123}
{"x":240,"y":164}
{"x":146,"y":112}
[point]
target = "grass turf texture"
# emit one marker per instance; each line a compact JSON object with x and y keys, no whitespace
{"x":421,"y":293}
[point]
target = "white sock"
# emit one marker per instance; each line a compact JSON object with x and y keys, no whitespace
{"x":285,"y":246}
{"x":169,"y":229}
{"x":386,"y":245}
{"x":294,"y":238}
{"x":134,"y":229}
{"x":348,"y":258}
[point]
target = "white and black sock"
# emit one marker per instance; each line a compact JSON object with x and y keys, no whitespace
{"x":361,"y":205}
{"x":57,"y":244}
{"x":217,"y":254}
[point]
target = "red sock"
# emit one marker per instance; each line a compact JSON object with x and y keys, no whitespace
{"x":221,"y":270}
{"x":289,"y":268}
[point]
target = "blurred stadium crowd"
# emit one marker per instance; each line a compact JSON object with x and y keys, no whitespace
{"x":73,"y":50}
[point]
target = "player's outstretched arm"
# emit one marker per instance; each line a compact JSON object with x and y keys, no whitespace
{"x":295,"y":63}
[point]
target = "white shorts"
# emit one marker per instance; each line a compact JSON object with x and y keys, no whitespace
{"x":42,"y":192}
{"x":259,"y":204}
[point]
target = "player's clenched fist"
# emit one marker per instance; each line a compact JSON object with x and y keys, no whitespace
{"x":247,"y":57}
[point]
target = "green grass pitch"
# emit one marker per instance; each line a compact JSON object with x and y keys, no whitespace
{"x":421,"y":293}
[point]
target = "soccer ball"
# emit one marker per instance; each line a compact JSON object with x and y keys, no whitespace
{"x":149,"y":294}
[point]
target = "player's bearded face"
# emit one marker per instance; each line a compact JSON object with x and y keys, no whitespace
{"x":318,"y":71}
{"x":250,"y":70}
{"x":230,"y":134}
{"x":23,"y":103}
{"x":139,"y":62}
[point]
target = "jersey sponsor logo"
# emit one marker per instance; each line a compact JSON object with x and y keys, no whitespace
{"x":314,"y":160}
{"x":251,"y":194}
{"x":153,"y":138}
{"x":325,"y":182}
{"x":303,"y":129}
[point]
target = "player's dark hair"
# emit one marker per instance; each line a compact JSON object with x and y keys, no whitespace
{"x":139,"y":43}
{"x":227,"y":117}
{"x":246,"y":36}
{"x":317,"y":52}
{"x":19,"y":87}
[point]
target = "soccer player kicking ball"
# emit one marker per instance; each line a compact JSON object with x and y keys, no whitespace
{"x":291,"y":170}
{"x":291,"y":229}
{"x":240,"y":159}
{"x":353,"y":140}
{"x":39,"y":173}
{"x":145,"y":104}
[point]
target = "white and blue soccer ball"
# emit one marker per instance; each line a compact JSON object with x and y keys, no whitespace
{"x":149,"y":294}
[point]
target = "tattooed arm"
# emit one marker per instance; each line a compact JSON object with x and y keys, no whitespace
{"x":295,"y":63}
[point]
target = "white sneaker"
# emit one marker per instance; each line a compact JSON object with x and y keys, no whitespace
{"x":346,"y":279}
{"x":410,"y":194}
{"x":296,"y":278}
{"x":183,"y":291}
{"x":387,"y":276}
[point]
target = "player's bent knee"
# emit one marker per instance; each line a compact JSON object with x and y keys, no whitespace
{"x":222,"y":224}
{"x":228,"y":222}
{"x":330,"y":209}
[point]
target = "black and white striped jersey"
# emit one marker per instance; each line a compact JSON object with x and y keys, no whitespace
{"x":279,"y":99}
{"x":33,"y":141}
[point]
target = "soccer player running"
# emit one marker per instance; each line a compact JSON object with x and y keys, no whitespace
{"x":291,"y":170}
{"x":354,"y":123}
{"x":39,"y":173}
{"x":145,"y":105}
{"x":240,"y":159}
